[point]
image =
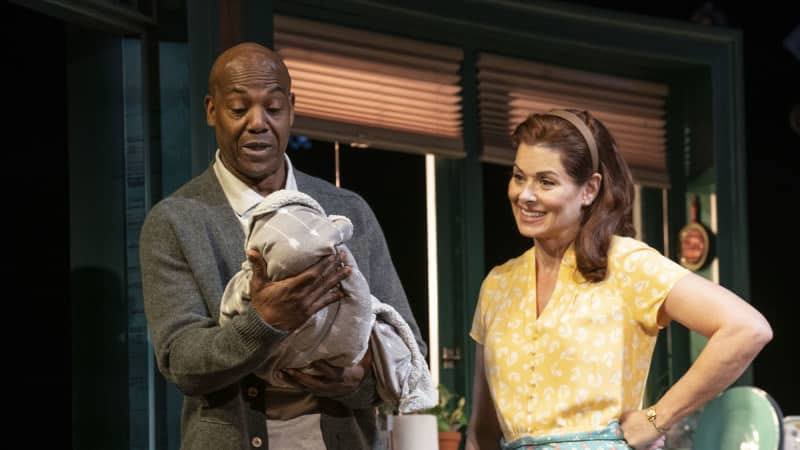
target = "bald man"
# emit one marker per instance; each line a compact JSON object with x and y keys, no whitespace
{"x":192,"y":244}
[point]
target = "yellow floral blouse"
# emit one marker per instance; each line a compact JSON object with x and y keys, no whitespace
{"x":586,"y":359}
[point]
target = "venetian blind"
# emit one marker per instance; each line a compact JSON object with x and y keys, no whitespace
{"x":633,"y":110}
{"x":372,"y":89}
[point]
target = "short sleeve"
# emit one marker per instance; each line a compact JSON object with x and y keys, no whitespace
{"x":478,"y":331}
{"x":645,"y":278}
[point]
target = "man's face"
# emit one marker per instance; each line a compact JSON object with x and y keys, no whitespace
{"x":252,"y":110}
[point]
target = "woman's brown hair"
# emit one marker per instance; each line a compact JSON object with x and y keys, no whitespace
{"x":612,"y":210}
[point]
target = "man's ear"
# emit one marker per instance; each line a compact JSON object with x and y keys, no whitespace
{"x":291,"y":109}
{"x":211,"y":120}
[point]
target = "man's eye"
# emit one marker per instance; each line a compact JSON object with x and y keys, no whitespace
{"x":274,"y":107}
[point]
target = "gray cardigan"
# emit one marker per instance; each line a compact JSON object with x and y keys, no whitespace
{"x":191,"y":245}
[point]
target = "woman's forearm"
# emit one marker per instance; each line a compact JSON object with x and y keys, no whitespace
{"x":725,"y":357}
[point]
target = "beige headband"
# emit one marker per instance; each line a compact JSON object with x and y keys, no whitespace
{"x":585,"y":131}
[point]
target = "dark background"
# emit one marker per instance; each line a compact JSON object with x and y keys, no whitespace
{"x":35,"y":188}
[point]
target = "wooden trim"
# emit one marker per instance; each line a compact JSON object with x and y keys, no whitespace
{"x":730,"y":162}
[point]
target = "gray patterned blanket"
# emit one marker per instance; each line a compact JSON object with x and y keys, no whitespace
{"x":293,"y":232}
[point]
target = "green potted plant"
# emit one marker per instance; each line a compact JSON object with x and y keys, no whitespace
{"x":450,"y":418}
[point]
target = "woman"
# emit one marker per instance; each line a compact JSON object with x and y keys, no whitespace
{"x":565,"y":332}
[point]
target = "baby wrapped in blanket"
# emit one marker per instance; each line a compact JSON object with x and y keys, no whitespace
{"x":292,"y":232}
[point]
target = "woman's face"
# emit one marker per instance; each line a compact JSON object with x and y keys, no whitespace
{"x":546,"y":202}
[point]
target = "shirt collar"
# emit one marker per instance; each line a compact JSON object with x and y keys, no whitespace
{"x":241,"y":196}
{"x":568,"y":259}
{"x":569,"y":264}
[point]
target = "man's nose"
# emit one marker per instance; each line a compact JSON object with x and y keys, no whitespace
{"x":257,"y":120}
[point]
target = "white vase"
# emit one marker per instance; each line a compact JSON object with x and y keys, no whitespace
{"x":414,"y":432}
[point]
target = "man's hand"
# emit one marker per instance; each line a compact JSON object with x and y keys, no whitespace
{"x":289,"y":303}
{"x":333,"y":381}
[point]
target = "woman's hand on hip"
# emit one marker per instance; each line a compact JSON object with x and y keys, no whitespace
{"x":639,"y":432}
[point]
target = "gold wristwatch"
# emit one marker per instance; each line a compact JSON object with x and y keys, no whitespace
{"x":651,"y":415}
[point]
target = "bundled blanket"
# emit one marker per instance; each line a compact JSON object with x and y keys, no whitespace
{"x":292,"y":232}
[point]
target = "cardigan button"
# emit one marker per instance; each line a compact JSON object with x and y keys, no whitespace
{"x":256,"y":442}
{"x":252,"y":392}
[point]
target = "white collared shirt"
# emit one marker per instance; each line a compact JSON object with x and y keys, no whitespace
{"x":242,"y":197}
